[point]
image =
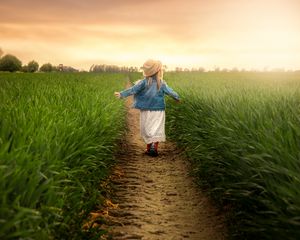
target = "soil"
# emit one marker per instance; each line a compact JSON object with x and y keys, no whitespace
{"x":155,"y":198}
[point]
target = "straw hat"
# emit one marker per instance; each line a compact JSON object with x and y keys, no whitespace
{"x":150,"y":67}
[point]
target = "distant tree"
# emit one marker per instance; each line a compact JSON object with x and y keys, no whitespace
{"x":278,"y":70}
{"x":217,"y":69}
{"x":130,"y":69}
{"x":235,"y":69}
{"x":10,"y":63}
{"x":111,"y":68}
{"x":92,"y":68}
{"x":1,"y":52}
{"x":66,"y":69}
{"x":32,"y":66}
{"x":224,"y":70}
{"x":201,"y":69}
{"x":47,"y":67}
{"x":24,"y":68}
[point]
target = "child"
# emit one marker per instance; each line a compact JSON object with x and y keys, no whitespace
{"x":149,"y":98}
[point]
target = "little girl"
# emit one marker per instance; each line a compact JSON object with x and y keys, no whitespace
{"x":149,"y":98}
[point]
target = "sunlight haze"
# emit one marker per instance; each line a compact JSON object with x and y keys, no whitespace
{"x":218,"y":33}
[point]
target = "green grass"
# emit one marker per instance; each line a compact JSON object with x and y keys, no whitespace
{"x":58,"y":133}
{"x":242,"y":132}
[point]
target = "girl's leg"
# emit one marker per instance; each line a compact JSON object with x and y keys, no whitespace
{"x":148,"y":147}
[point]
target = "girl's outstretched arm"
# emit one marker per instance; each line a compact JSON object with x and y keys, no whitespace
{"x":169,"y":91}
{"x":133,"y":90}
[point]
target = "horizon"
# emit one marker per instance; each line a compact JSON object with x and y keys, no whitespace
{"x":166,"y":68}
{"x":209,"y":34}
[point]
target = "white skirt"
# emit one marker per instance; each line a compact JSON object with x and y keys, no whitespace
{"x":152,"y":126}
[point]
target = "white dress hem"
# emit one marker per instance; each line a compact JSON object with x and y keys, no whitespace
{"x":152,"y":124}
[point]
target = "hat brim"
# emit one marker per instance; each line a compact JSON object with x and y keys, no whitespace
{"x":153,"y":71}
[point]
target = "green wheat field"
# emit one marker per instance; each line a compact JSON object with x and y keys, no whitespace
{"x":59,"y":133}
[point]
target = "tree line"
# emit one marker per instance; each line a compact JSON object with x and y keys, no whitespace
{"x":11,"y":63}
{"x":112,"y":68}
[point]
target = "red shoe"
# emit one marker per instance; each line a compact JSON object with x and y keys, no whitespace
{"x":147,"y":152}
{"x":154,"y":153}
{"x":152,"y":149}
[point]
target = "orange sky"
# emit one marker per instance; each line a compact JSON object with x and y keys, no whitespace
{"x":224,"y":33}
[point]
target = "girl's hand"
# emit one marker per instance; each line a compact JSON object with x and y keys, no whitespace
{"x":118,"y":94}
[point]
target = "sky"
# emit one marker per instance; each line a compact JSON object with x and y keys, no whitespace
{"x":256,"y":34}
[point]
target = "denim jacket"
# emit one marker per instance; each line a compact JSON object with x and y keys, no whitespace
{"x":149,"y":97}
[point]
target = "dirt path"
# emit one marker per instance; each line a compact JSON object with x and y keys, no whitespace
{"x":155,"y":198}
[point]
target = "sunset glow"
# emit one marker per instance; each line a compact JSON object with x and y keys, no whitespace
{"x":223,"y":33}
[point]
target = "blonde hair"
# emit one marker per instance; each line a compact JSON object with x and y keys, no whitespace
{"x":159,"y":77}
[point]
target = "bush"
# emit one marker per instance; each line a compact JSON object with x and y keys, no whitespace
{"x":33,"y":66}
{"x":47,"y":67}
{"x":24,"y":68}
{"x":10,"y":63}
